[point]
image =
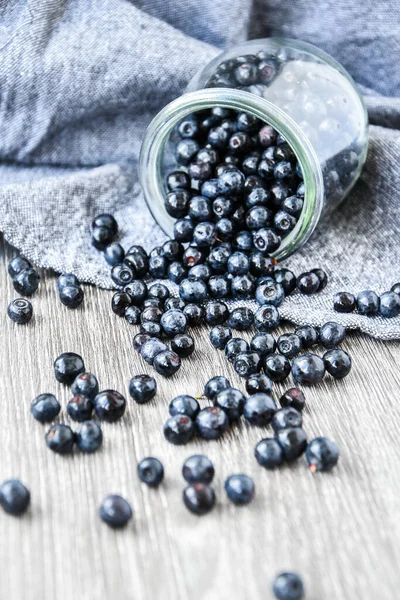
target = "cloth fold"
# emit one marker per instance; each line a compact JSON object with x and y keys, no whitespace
{"x":80,"y":81}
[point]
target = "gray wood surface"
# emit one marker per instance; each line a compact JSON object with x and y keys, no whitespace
{"x":340,"y":531}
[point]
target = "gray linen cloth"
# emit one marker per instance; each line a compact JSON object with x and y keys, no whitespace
{"x":80,"y":80}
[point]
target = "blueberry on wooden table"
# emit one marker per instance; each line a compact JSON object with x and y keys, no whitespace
{"x":288,"y":586}
{"x":14,"y":497}
{"x":309,"y":335}
{"x":71,"y":296}
{"x":216,"y":313}
{"x":194,"y":314}
{"x":67,"y":279}
{"x":151,"y":471}
{"x":277,"y":367}
{"x":109,"y":405}
{"x":179,"y":429}
{"x":344,"y":302}
{"x":139,"y":340}
{"x":89,"y":437}
{"x":60,"y":438}
{"x":231,"y":401}
{"x":247,"y":363}
{"x":263,"y":344}
{"x":308,"y":369}
{"x":137,"y":290}
{"x":220,"y":336}
{"x":115,"y":511}
{"x":266,"y":318}
{"x":199,"y":498}
{"x":167,"y":363}
{"x":198,"y":469}
{"x":286,"y":417}
{"x":240,"y":489}
{"x":289,"y":344}
{"x":212,"y":422}
{"x":215,"y":385}
{"x":68,"y":366}
{"x":258,"y":383}
{"x":259,"y":409}
{"x":294,"y":398}
{"x":241,"y":318}
{"x":183,"y":345}
{"x":193,"y":290}
{"x":184,"y":405}
{"x":18,"y":264}
{"x":120,"y":302}
{"x":234,"y":347}
{"x":269,"y":453}
{"x":293,"y":441}
{"x":20,"y":311}
{"x":132,"y":315}
{"x":322,"y":454}
{"x":142,"y":388}
{"x":337,"y":363}
{"x":80,"y":408}
{"x":332,"y":334}
{"x":151,"y":348}
{"x":26,"y":282}
{"x":174,"y":321}
{"x":45,"y":408}
{"x":153,"y":329}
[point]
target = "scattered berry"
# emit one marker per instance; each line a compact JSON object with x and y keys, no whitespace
{"x":322,"y":454}
{"x":151,"y":471}
{"x":269,"y":453}
{"x":60,"y":438}
{"x":109,"y":405}
{"x":198,"y":469}
{"x":14,"y":497}
{"x":179,"y":429}
{"x":240,"y":489}
{"x":20,"y":311}
{"x":115,"y":511}
{"x":45,"y":408}
{"x":68,"y":366}
{"x":142,"y":388}
{"x":89,"y":437}
{"x":199,"y":498}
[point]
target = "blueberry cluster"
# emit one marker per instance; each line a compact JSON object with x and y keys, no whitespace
{"x":25,"y":278}
{"x":369,"y":303}
{"x":70,"y":291}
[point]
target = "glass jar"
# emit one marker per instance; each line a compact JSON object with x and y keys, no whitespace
{"x":303,"y":93}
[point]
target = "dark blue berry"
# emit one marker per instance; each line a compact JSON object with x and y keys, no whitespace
{"x":192,"y":256}
{"x":158,"y":267}
{"x":332,"y":334}
{"x":219,"y":336}
{"x":322,"y":276}
{"x":45,"y":408}
{"x":234,"y":347}
{"x":288,"y":586}
{"x":105,"y":220}
{"x":142,"y":388}
{"x":151,"y":348}
{"x":259,"y":409}
{"x":239,"y":143}
{"x":114,"y":254}
{"x":308,"y":283}
{"x":289,"y":344}
{"x":176,"y":203}
{"x":218,"y":137}
{"x":20,"y":311}
{"x":68,"y":366}
{"x":241,"y":318}
{"x":367,"y":303}
{"x":238,"y":263}
{"x":26,"y":282}
{"x":266,"y":240}
{"x":258,"y":383}
{"x":153,"y":329}
{"x":66,"y":279}
{"x":293,"y":398}
{"x":204,"y":234}
{"x":121,"y":275}
{"x":102,"y":237}
{"x":337,"y":363}
{"x":231,"y":182}
{"x":188,"y":128}
{"x":210,"y":189}
{"x":151,"y":314}
{"x":277,"y":367}
{"x":199,"y":171}
{"x":185,"y":151}
{"x":199,"y":498}
{"x":151,"y":471}
{"x":286,"y":417}
{"x":174,"y":321}
{"x":219,"y":286}
{"x":200,"y":272}
{"x":89,"y":437}
{"x":261,"y":265}
{"x":389,"y":305}
{"x":216,"y":313}
{"x":309,"y":335}
{"x":293,"y":205}
{"x":267,"y":136}
{"x":308,"y":369}
{"x":212,"y":422}
{"x":115,"y":511}
{"x":14,"y":497}
{"x":322,"y":454}
{"x":266,"y":318}
{"x":175,"y":303}
{"x":263,"y":344}
{"x":184,"y":405}
{"x":215,"y":385}
{"x":247,"y":363}
{"x":258,"y":218}
{"x":199,"y":209}
{"x":293,"y":442}
{"x":132,"y":315}
{"x":208,"y":154}
{"x":109,"y":405}
{"x":258,"y":196}
{"x":137,"y":290}
{"x":286,"y":279}
{"x":178,"y":180}
{"x":18,"y":264}
{"x":138,"y":250}
{"x":218,"y":258}
{"x":183,"y":345}
{"x":80,"y":408}
{"x":167,"y":363}
{"x":139,"y":340}
{"x":395,"y":288}
{"x":193,"y":290}
{"x":119,"y":303}
{"x":60,"y":438}
{"x":244,"y":241}
{"x":194,"y":314}
{"x":137,"y":262}
{"x":231,"y":401}
{"x":223,"y":207}
{"x":198,"y":469}
{"x":176,"y":272}
{"x":269,"y":453}
{"x":179,"y":429}
{"x":270,"y":292}
{"x":183,"y":230}
{"x":240,"y":489}
{"x":71,"y":296}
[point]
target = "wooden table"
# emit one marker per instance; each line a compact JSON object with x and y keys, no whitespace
{"x":339,"y":530}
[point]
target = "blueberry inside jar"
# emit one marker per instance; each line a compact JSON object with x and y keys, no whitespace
{"x":270,"y":136}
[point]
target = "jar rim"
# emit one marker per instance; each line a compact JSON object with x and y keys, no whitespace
{"x":160,"y":128}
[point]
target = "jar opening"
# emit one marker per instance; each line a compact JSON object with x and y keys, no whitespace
{"x":159,"y":132}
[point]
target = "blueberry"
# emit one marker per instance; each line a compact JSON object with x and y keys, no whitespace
{"x":151,"y":314}
{"x":231,"y":181}
{"x":220,"y":336}
{"x":277,"y":367}
{"x":309,"y":335}
{"x":68,"y":366}
{"x":132,"y":315}
{"x":218,"y":286}
{"x":138,"y":263}
{"x":176,"y":272}
{"x":183,"y":230}
{"x":200,"y":272}
{"x":259,"y":409}
{"x":215,"y":385}
{"x":199,"y":171}
{"x":119,"y":303}
{"x":80,"y":408}
{"x":258,"y":196}
{"x":244,"y":241}
{"x":322,"y":276}
{"x":175,"y":303}
{"x":188,"y":129}
{"x":231,"y":401}
{"x":212,"y":422}
{"x":238,"y":263}
{"x":266,"y":240}
{"x":234,"y":347}
{"x":66,"y":279}
{"x":308,"y":283}
{"x":204,"y":235}
{"x":199,"y":209}
{"x":109,"y":405}
{"x":14,"y":497}
{"x":71,"y":296}
{"x":167,"y":363}
{"x":194,"y":314}
{"x":270,"y":292}
{"x":367,"y":303}
{"x":239,"y":143}
{"x":293,"y":205}
{"x":198,"y":469}
{"x":258,"y":218}
{"x":179,"y":429}
{"x":60,"y":438}
{"x":216,"y":313}
{"x":308,"y":369}
{"x":137,"y":290}
{"x":142,"y":388}
{"x":288,"y":586}
{"x":151,"y":471}
{"x":223,"y":207}
{"x":20,"y":311}
{"x":115,"y":511}
{"x":293,"y":442}
{"x":193,"y":290}
{"x":289,"y":344}
{"x":105,"y":220}
{"x":322,"y":454}
{"x":208,"y":154}
{"x":266,"y":318}
{"x":263,"y":344}
{"x":137,"y":250}
{"x":199,"y":498}
{"x":176,"y":203}
{"x":293,"y":398}
{"x":151,"y":348}
{"x":218,"y":258}
{"x":267,"y":136}
{"x":153,"y":329}
{"x":286,"y":417}
{"x":241,"y":318}
{"x":247,"y":363}
{"x":258,"y":383}
{"x":26,"y":282}
{"x":178,"y":180}
{"x":139,"y":340}
{"x":184,"y":405}
{"x":183,"y":345}
{"x":114,"y":253}
{"x":389,"y":305}
{"x":268,"y":453}
{"x":261,"y":265}
{"x":18,"y":264}
{"x":186,"y":150}
{"x":337,"y":363}
{"x":286,"y":279}
{"x":331,"y":334}
{"x":218,"y":137}
{"x":102,"y":237}
{"x":174,"y":321}
{"x":89,"y":437}
{"x":240,"y":489}
{"x":45,"y":408}
{"x":121,"y":274}
{"x":158,"y":267}
{"x":395,"y":288}
{"x":210,"y":189}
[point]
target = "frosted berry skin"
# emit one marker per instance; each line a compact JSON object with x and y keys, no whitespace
{"x":60,"y":438}
{"x":14,"y":497}
{"x":337,"y":363}
{"x":277,"y":367}
{"x":240,"y":489}
{"x":199,"y":498}
{"x":269,"y":453}
{"x":151,"y":471}
{"x":68,"y":366}
{"x":114,"y":254}
{"x":309,"y":335}
{"x":308,"y":369}
{"x":288,"y":586}
{"x":45,"y":408}
{"x":259,"y":409}
{"x":322,"y":454}
{"x":289,"y":344}
{"x":247,"y":363}
{"x":18,"y":264}
{"x":89,"y":437}
{"x":109,"y":406}
{"x":212,"y":422}
{"x":286,"y":417}
{"x":183,"y":345}
{"x":266,"y":318}
{"x":179,"y":430}
{"x":106,"y":220}
{"x":258,"y":383}
{"x":173,"y":321}
{"x":198,"y":469}
{"x":115,"y":511}
{"x":20,"y":311}
{"x":142,"y":388}
{"x":263,"y":343}
{"x":308,"y":283}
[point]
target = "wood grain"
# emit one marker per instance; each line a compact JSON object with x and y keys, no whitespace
{"x":340,"y":531}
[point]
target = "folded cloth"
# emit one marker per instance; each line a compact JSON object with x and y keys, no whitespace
{"x":80,"y":81}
